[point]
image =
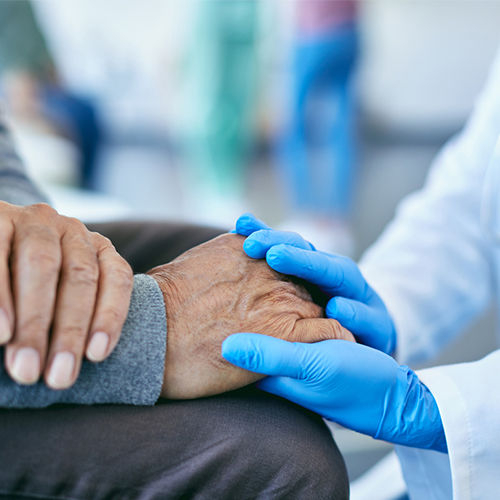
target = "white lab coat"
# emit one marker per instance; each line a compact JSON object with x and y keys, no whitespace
{"x":437,"y":271}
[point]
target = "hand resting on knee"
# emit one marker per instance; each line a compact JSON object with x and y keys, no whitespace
{"x":215,"y":290}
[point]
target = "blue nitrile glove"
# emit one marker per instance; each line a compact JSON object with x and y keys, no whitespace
{"x":353,"y":303}
{"x":354,"y":385}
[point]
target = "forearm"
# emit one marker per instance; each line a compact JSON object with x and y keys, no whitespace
{"x":133,"y":374}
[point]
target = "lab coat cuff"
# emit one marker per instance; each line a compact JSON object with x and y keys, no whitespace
{"x":456,"y":424}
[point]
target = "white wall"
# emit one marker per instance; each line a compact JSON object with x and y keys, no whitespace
{"x":425,"y":60}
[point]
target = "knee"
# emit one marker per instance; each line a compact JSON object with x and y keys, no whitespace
{"x":286,"y":452}
{"x":247,"y":445}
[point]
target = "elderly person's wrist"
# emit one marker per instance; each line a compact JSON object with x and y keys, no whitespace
{"x":215,"y":290}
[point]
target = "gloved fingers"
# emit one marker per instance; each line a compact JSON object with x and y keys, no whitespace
{"x":265,"y":355}
{"x":248,"y":224}
{"x":335,"y":275}
{"x":371,"y":326}
{"x":258,"y":243}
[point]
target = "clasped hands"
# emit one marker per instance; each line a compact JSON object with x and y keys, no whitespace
{"x":65,"y":292}
{"x":215,"y":290}
{"x":358,"y":386}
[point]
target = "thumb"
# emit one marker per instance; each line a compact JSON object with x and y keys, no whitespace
{"x":248,"y":224}
{"x":285,"y":387}
{"x":265,"y":355}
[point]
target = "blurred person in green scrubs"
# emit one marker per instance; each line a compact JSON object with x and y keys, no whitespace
{"x":221,"y":90}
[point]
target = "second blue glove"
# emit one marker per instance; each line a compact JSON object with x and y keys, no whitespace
{"x":353,"y":303}
{"x":356,"y":386}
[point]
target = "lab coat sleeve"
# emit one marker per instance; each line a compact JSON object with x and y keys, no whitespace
{"x":469,"y":402}
{"x":133,"y":374}
{"x":432,"y":266}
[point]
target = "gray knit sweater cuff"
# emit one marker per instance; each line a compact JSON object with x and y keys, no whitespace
{"x":133,"y":374}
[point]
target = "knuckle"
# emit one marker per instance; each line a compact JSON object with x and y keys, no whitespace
{"x":103,"y":240}
{"x":40,"y":235}
{"x":335,"y":328}
{"x":34,"y":326}
{"x":75,"y":224}
{"x":229,"y":240}
{"x":73,"y":335}
{"x":80,"y":272}
{"x":335,"y":331}
{"x":44,"y":259}
{"x":43,"y":209}
{"x":328,"y":329}
{"x":345,"y":334}
{"x":113,"y":315}
{"x":299,"y":336}
{"x":102,"y":243}
{"x":121,"y":275}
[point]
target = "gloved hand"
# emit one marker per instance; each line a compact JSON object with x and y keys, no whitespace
{"x":353,"y":303}
{"x":356,"y":386}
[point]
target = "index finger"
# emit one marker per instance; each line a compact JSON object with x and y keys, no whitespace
{"x":248,"y":224}
{"x":260,"y":242}
{"x":115,"y":289}
{"x":333,"y":274}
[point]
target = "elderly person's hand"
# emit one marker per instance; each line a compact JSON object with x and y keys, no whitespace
{"x":352,"y":301}
{"x":215,"y":290}
{"x":64,"y":293}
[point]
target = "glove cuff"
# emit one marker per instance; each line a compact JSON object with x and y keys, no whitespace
{"x":411,"y":415}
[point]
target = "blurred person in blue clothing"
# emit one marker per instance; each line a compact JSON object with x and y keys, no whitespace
{"x":317,"y":149}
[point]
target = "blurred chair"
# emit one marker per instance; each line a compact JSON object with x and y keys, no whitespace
{"x":384,"y":481}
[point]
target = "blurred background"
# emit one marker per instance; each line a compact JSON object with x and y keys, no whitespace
{"x":316,"y":115}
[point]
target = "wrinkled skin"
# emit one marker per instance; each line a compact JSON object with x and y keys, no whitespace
{"x":215,"y":290}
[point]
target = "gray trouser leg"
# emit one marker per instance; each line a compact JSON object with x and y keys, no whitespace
{"x":242,"y":445}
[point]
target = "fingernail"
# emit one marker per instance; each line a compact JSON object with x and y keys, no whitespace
{"x":249,"y":244}
{"x":5,"y":332}
{"x":61,"y":372}
{"x":274,"y":255}
{"x":98,"y":346}
{"x":332,"y":309}
{"x":26,"y":369}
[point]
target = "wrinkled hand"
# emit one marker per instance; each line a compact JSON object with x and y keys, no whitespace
{"x":64,"y":293}
{"x":354,"y":385}
{"x":215,"y":290}
{"x":352,"y":301}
